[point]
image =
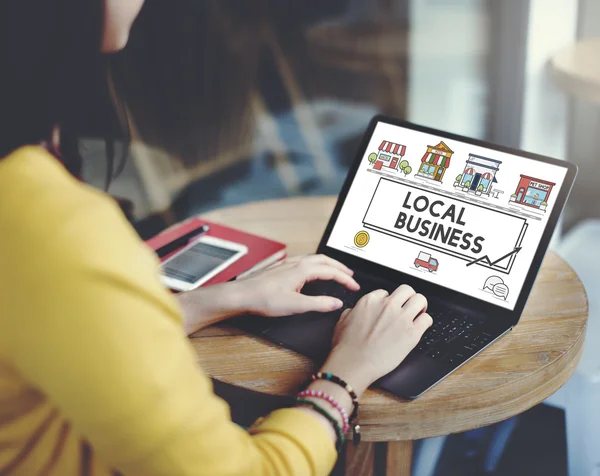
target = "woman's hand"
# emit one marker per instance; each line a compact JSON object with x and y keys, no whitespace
{"x":372,"y":339}
{"x":275,"y":291}
{"x":272,"y":292}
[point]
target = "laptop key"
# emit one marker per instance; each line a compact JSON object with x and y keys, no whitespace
{"x":448,"y":338}
{"x":436,"y":354}
{"x":421,"y":348}
{"x":456,"y":359}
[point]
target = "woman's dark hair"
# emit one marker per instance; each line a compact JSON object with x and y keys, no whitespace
{"x":186,"y":76}
{"x":53,"y":74}
{"x":188,"y":73}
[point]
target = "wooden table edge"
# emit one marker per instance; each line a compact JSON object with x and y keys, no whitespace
{"x":514,"y":406}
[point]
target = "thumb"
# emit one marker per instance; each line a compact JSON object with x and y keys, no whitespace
{"x":301,"y":303}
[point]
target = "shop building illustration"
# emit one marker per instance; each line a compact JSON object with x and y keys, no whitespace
{"x":389,"y":156}
{"x":435,"y":162}
{"x":532,"y":192}
{"x":479,"y":175}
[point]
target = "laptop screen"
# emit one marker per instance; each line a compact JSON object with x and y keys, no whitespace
{"x":459,"y":215}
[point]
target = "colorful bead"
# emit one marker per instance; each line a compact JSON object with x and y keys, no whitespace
{"x":346,"y":386}
{"x":338,"y":381}
{"x":320,"y":394}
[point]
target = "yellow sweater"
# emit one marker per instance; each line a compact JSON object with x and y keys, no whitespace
{"x":96,"y":374}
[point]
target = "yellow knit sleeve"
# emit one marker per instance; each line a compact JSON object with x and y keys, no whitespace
{"x":102,"y":339}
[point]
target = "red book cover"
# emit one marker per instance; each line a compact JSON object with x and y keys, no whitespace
{"x":261,"y":251}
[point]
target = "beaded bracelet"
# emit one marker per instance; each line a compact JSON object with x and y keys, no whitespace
{"x":338,"y":381}
{"x":354,"y":417}
{"x":332,"y":402}
{"x":336,"y":425}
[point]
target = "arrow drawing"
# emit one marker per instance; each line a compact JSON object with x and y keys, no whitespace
{"x":486,"y":260}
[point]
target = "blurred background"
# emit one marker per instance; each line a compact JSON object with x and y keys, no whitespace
{"x":237,"y":101}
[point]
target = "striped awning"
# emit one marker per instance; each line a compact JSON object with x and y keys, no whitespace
{"x":488,"y":176}
{"x":469,"y":171}
{"x":392,"y":148}
{"x":435,"y":159}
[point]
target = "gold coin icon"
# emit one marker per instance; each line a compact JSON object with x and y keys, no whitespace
{"x":361,"y":239}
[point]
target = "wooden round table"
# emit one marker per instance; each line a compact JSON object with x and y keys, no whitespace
{"x":516,"y":373}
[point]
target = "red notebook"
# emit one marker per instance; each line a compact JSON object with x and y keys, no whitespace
{"x":262,"y":252}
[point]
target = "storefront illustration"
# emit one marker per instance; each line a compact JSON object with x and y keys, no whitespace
{"x":479,"y":175}
{"x":532,"y":192}
{"x":435,"y":162}
{"x":389,"y":156}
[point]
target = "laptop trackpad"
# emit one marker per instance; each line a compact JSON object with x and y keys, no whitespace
{"x":308,"y":334}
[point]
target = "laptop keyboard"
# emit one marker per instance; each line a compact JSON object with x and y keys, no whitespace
{"x":454,"y":337}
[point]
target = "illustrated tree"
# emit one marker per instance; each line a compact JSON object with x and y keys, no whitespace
{"x":480,"y":188}
{"x":403,"y":165}
{"x":468,"y":184}
{"x":372,"y":157}
{"x":407,"y":170}
{"x":459,"y":177}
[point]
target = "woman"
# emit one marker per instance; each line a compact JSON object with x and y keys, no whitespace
{"x":96,"y":373}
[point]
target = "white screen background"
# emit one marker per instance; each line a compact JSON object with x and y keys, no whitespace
{"x":394,"y":252}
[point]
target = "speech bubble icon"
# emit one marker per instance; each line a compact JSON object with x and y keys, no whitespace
{"x":491,"y":282}
{"x":501,"y":290}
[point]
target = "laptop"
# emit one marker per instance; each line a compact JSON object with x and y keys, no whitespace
{"x":464,"y":222}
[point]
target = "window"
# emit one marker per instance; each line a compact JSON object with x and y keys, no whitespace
{"x":485,"y":183}
{"x":384,"y":157}
{"x":466,"y":178}
{"x":433,"y":262}
{"x":427,"y":169}
{"x":535,"y":196}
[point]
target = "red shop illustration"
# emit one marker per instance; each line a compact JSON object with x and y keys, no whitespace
{"x":532,"y":192}
{"x":389,"y":156}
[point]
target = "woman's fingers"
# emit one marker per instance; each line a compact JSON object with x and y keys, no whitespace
{"x":325,"y":272}
{"x":300,"y":303}
{"x":402,"y":294}
{"x":372,"y":297}
{"x":326,"y":260}
{"x":312,"y":260}
{"x":416,"y":305}
{"x":423,"y":322}
{"x":378,"y":293}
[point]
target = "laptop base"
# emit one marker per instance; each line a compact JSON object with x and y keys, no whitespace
{"x":311,"y":334}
